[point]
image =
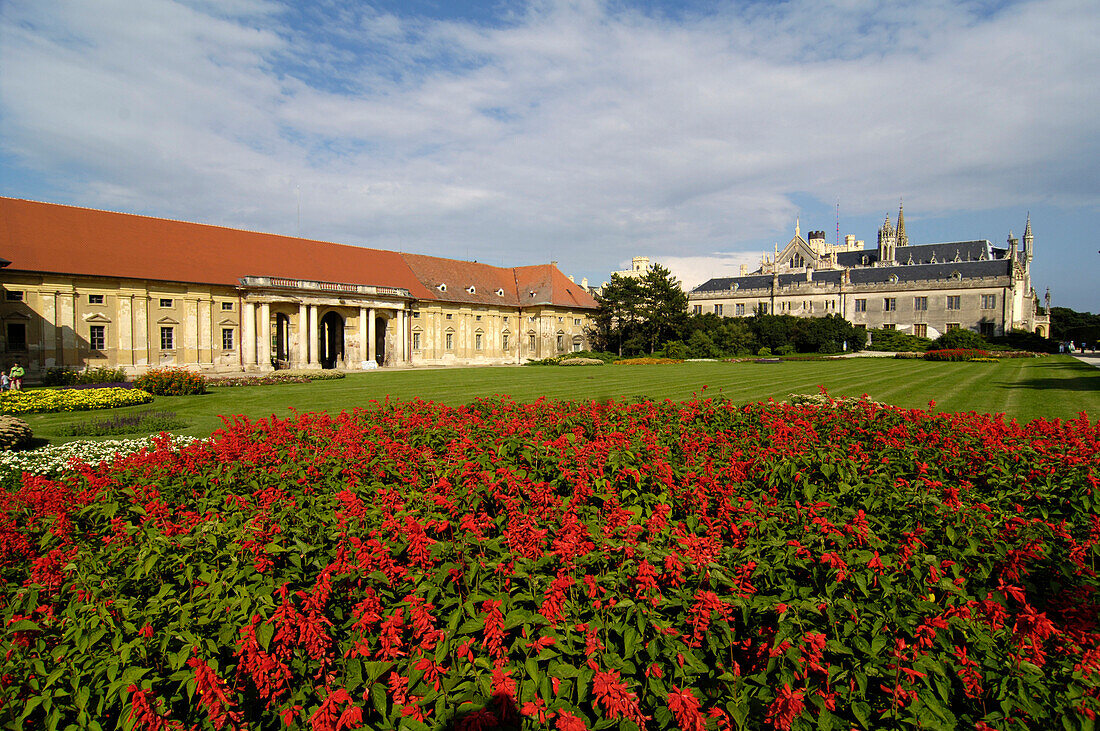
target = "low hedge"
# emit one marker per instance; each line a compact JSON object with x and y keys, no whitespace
{"x":648,"y":361}
{"x":43,"y":401}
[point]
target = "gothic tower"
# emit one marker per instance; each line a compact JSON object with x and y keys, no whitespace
{"x":1029,"y":243}
{"x":887,"y":242}
{"x":902,"y":238}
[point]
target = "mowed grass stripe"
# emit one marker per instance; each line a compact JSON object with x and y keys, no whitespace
{"x":1054,"y":387}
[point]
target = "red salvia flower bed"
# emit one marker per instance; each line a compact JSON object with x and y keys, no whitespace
{"x":565,"y":565}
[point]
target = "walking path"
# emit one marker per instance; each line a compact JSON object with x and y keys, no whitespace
{"x":1092,"y":359}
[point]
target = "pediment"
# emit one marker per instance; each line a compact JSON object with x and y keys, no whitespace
{"x":16,"y":316}
{"x":228,"y":323}
{"x":797,"y":246}
{"x":96,"y":317}
{"x":167,"y":321}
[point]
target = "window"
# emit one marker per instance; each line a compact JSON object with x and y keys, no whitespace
{"x":560,"y":320}
{"x":985,"y":329}
{"x":989,"y":301}
{"x":577,"y":321}
{"x":504,"y":341}
{"x":890,"y":327}
{"x":505,"y":320}
{"x":718,"y":309}
{"x":165,"y":301}
{"x":561,"y":342}
{"x":861,"y":305}
{"x":13,"y":295}
{"x":954,"y":302}
{"x":416,"y":314}
{"x":416,"y":341}
{"x":952,"y":326}
{"x":739,"y":310}
{"x":227,"y":306}
{"x":477,"y":341}
{"x":227,"y":338}
{"x":167,"y":337}
{"x":920,"y":330}
{"x":477,"y":317}
{"x":920,"y":304}
{"x":442,"y":287}
{"x":698,"y":309}
{"x":530,"y":318}
{"x":97,"y":336}
{"x":763,"y":307}
{"x":889,"y":304}
{"x":450,"y":341}
{"x":576,"y":347}
{"x":95,"y":299}
{"x":17,"y":335}
{"x":449,"y":315}
{"x":861,"y":326}
{"x":531,"y":343}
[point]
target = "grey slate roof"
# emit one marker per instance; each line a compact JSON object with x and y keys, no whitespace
{"x":969,"y":266}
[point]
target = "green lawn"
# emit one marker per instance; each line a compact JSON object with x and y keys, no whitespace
{"x":1053,"y":387}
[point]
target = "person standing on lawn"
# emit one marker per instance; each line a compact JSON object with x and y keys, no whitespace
{"x":17,"y":374}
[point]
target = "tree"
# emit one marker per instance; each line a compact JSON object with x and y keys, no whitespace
{"x":639,"y":315}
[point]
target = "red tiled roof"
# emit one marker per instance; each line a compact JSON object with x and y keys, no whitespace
{"x":46,"y":237}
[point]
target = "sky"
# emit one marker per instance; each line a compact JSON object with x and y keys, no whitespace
{"x":579,"y":131}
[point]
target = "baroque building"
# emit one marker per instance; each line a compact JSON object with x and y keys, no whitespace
{"x":87,"y":288}
{"x":920,"y":289}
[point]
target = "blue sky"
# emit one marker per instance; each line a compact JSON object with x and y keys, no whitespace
{"x":581,"y":131}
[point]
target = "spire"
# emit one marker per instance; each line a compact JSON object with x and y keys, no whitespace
{"x":903,"y":240}
{"x":797,"y":226}
{"x":1027,"y":229}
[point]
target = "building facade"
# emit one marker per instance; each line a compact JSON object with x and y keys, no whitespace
{"x":87,"y":288}
{"x":922,"y":289}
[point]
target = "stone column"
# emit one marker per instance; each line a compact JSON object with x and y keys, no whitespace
{"x":372,"y":335}
{"x":363,"y":346}
{"x":265,"y":337}
{"x":66,"y":325}
{"x":248,"y":334}
{"x":314,"y":339}
{"x":141,"y":330}
{"x":303,"y":340}
{"x":125,"y":330}
{"x":205,"y":324}
{"x":401,"y":337}
{"x":191,"y":342}
{"x":49,"y":330}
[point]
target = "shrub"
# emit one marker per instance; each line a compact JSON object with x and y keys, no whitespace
{"x":171,"y":382}
{"x":148,"y":422}
{"x":40,"y":401}
{"x":960,"y":339}
{"x":14,"y":433}
{"x":70,"y":377}
{"x":319,"y":375}
{"x":267,"y":380}
{"x":784,"y":350}
{"x":903,"y":355}
{"x":580,"y":362}
{"x":894,"y":340}
{"x":765,"y":351}
{"x":984,"y":360}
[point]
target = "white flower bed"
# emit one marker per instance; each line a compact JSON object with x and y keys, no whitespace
{"x":53,"y":460}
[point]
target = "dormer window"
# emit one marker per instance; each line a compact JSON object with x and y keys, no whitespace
{"x":442,"y":287}
{"x":500,"y":292}
{"x":893,"y":279}
{"x":471,"y":289}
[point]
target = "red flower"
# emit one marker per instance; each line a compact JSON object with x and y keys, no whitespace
{"x":685,"y":709}
{"x":785,"y":708}
{"x":616,"y":699}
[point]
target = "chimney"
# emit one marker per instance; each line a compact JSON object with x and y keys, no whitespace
{"x":744,"y":269}
{"x":571,"y":279}
{"x":584,"y":283}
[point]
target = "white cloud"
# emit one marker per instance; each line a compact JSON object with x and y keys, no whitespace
{"x":572,"y":132}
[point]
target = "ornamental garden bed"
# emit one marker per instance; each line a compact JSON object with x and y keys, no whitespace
{"x":40,"y":401}
{"x":566,"y":565}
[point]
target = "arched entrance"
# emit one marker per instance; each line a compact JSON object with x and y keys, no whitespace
{"x":332,"y":340}
{"x":380,"y":340}
{"x":281,"y":346}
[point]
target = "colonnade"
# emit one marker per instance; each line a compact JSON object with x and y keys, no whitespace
{"x":256,"y":341}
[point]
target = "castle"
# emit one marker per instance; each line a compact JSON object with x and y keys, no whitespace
{"x":920,"y":289}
